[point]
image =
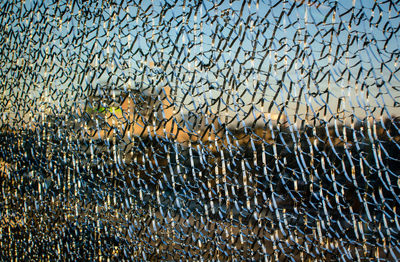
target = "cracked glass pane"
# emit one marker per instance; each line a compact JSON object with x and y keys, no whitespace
{"x":200,"y":130}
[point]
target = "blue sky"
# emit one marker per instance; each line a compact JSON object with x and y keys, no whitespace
{"x":231,"y":57}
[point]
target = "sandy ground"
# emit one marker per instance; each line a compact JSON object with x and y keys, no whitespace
{"x":97,"y":223}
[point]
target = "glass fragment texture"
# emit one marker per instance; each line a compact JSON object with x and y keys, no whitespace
{"x":199,"y":130}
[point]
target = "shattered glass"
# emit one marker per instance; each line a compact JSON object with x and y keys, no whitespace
{"x":199,"y":130}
